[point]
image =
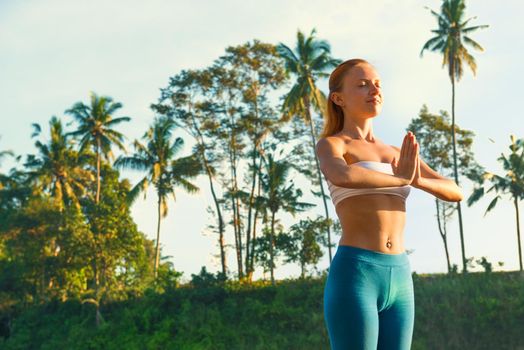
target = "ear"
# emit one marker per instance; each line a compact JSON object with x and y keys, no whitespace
{"x":335,"y":97}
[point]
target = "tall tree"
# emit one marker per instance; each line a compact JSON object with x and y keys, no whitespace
{"x":512,"y":184}
{"x":226,"y":104}
{"x":187,"y":101}
{"x":434,"y":137}
{"x":164,"y":171}
{"x":451,"y":35}
{"x":95,"y":128}
{"x":229,"y":136}
{"x":307,"y":64}
{"x":279,"y":194}
{"x":259,"y":71}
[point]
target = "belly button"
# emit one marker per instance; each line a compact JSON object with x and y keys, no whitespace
{"x":388,"y":244}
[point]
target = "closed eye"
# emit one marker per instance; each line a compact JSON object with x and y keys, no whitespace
{"x":365,"y":85}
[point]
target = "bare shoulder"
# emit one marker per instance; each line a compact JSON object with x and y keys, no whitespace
{"x":330,"y":152}
{"x":330,"y":145}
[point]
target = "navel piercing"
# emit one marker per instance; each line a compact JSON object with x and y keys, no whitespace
{"x":388,"y":244}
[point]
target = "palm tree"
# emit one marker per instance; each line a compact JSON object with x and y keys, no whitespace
{"x":310,"y":61}
{"x":157,"y":158}
{"x":512,"y":183}
{"x":4,"y":179}
{"x":5,"y":153}
{"x":450,"y":35}
{"x":95,"y":128}
{"x":280,"y":194}
{"x":58,"y":168}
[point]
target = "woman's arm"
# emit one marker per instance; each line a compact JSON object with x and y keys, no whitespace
{"x":429,"y":180}
{"x":338,"y":172}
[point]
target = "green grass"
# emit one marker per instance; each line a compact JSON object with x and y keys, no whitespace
{"x":476,"y":311}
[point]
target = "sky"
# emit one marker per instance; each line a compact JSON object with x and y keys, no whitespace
{"x":54,"y":52}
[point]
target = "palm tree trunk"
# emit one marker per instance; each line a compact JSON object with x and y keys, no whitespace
{"x":157,"y":250}
{"x":96,"y":270}
{"x":313,"y":143}
{"x":455,"y":169}
{"x":516,"y":203}
{"x":97,"y":298}
{"x":271,"y":242}
{"x":97,"y":170}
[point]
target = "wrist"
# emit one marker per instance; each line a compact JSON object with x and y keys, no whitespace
{"x":417,"y":183}
{"x":404,"y":181}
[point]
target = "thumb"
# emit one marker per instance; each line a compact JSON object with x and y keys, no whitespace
{"x":394,"y":164}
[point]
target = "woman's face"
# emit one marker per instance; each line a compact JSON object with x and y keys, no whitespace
{"x":361,"y":86}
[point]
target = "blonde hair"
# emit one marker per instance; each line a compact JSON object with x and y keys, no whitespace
{"x":334,"y":117}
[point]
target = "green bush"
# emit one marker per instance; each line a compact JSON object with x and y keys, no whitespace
{"x":473,"y":311}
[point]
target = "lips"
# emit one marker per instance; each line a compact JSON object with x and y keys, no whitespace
{"x":374,"y":100}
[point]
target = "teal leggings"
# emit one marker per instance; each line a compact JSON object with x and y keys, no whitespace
{"x":369,"y":301}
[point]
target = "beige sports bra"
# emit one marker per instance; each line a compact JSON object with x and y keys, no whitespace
{"x":339,"y":193}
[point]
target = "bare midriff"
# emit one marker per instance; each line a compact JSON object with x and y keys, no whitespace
{"x":373,"y":221}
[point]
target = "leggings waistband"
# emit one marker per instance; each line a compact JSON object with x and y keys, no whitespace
{"x":373,"y":256}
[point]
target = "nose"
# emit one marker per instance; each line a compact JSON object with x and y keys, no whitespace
{"x":374,"y":91}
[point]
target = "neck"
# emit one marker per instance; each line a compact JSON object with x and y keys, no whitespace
{"x":358,"y":129}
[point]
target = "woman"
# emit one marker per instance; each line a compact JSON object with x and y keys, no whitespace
{"x":368,"y":296}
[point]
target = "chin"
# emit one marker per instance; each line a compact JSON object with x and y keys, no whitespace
{"x":375,"y":111}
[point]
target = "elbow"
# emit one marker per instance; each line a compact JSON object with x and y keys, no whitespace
{"x":457,"y":194}
{"x":457,"y":197}
{"x":451,"y":193}
{"x":451,"y":197}
{"x":336,"y":178}
{"x":344,"y":176}
{"x":344,"y":179}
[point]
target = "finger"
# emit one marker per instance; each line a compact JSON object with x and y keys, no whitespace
{"x":417,"y":156}
{"x":393,"y":165}
{"x":403,"y":148}
{"x":414,"y":146}
{"x":409,"y":153}
{"x":414,"y":149}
